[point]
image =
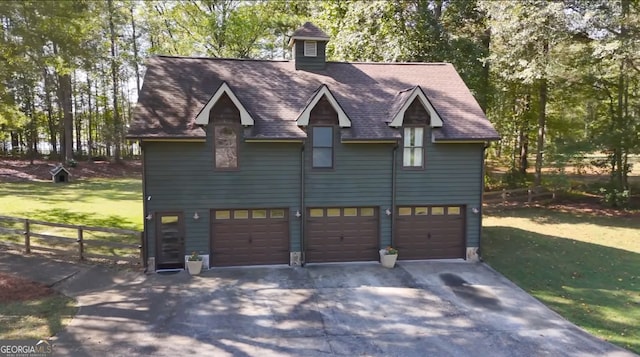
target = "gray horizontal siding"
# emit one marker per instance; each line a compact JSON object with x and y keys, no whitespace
{"x":310,"y":63}
{"x":361,"y":178}
{"x":180,"y":176}
{"x":452,"y":176}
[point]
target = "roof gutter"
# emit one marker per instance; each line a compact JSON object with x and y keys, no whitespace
{"x":464,"y":141}
{"x":273,"y":140}
{"x":173,"y":139}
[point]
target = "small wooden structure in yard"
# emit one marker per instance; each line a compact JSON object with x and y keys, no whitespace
{"x":60,"y":174}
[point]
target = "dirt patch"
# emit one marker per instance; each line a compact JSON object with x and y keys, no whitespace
{"x":23,"y":170}
{"x":13,"y":288}
{"x":592,"y":209}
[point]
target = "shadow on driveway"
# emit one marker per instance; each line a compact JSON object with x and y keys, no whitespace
{"x":416,"y":309}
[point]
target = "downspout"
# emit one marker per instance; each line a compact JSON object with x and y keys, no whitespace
{"x":393,"y":193}
{"x":482,"y":171}
{"x":145,"y":242}
{"x":302,"y":209}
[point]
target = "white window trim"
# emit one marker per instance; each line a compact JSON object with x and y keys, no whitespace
{"x":203,"y":116}
{"x":421,"y":147}
{"x":398,"y":119}
{"x":343,"y":119}
{"x":310,"y":53}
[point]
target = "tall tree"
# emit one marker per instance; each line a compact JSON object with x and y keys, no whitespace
{"x":117,"y":125}
{"x":524,"y":35}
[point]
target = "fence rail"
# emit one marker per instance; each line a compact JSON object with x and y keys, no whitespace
{"x":20,"y":233}
{"x":518,"y":195}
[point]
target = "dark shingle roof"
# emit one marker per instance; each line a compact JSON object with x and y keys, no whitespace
{"x":274,"y":93}
{"x":310,"y":31}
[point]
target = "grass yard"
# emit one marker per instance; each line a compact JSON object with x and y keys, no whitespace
{"x":36,"y":319}
{"x":584,"y":266}
{"x":115,"y":203}
{"x":30,"y":310}
{"x":111,"y":203}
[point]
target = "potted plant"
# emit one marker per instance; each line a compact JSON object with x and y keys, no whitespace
{"x":194,"y":263}
{"x":388,"y":257}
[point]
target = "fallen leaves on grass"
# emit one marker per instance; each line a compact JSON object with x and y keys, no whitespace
{"x":13,"y":288}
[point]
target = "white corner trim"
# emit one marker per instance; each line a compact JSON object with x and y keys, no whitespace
{"x":436,"y":121}
{"x":343,"y":119}
{"x":203,"y":116}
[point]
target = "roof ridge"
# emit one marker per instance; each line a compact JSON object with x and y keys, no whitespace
{"x":396,"y":63}
{"x":286,"y":61}
{"x":222,"y":58}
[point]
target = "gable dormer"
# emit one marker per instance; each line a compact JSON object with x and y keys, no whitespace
{"x":224,"y":92}
{"x":309,"y":47}
{"x":405,"y":105}
{"x":324,"y":95}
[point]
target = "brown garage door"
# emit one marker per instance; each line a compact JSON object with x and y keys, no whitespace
{"x":435,"y":232}
{"x":249,"y":237}
{"x":341,"y":234}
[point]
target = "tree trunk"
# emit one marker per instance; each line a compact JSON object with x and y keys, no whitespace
{"x":542,"y":118}
{"x":135,"y":49}
{"x":52,"y":125}
{"x":117,"y":126}
{"x":78,"y":118}
{"x":90,"y":121}
{"x":14,"y":140}
{"x":524,"y":149}
{"x":483,"y":95}
{"x":618,"y":171}
{"x":64,"y":98}
{"x":67,"y":110}
{"x":32,"y":129}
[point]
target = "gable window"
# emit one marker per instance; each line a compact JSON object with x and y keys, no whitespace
{"x":310,"y":48}
{"x":322,"y":137}
{"x":413,"y":154}
{"x":225,"y":146}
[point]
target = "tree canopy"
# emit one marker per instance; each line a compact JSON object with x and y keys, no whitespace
{"x":556,"y":78}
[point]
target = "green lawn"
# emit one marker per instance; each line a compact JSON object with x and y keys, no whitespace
{"x":115,"y":203}
{"x":111,"y":203}
{"x":36,"y":319}
{"x":583,"y":266}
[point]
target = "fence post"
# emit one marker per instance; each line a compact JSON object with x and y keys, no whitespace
{"x":80,"y":244}
{"x":529,"y":196}
{"x":27,"y":236}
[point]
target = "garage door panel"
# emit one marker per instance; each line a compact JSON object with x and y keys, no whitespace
{"x":249,"y":237}
{"x":435,"y":232}
{"x":339,"y":234}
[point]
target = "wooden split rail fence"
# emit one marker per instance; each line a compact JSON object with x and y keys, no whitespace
{"x":76,"y":241}
{"x":520,"y":195}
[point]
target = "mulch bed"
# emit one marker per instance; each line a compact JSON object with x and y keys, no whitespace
{"x":13,"y":289}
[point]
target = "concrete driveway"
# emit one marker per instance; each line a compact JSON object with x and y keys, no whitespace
{"x":416,"y":309}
